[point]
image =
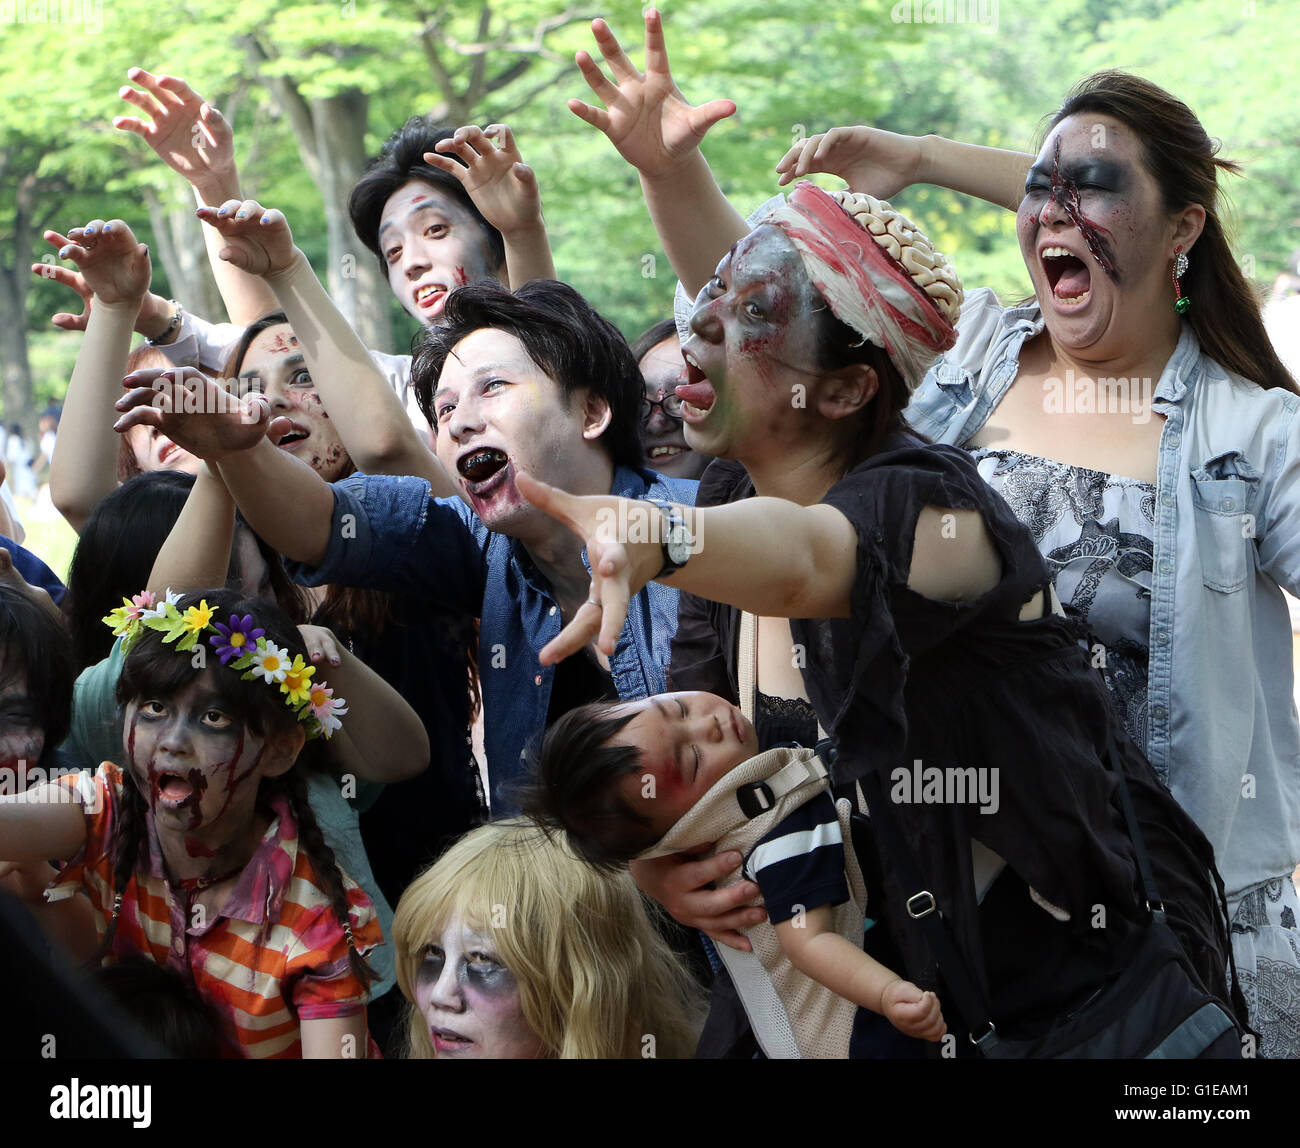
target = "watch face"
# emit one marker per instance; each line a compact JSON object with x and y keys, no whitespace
{"x":678,"y":542}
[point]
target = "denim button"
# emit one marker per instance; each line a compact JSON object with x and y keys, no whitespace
{"x":1159,"y":713}
{"x":1167,"y":499}
{"x":1229,"y":504}
{"x":1165,"y":566}
{"x":537,"y":680}
{"x":551,"y":612}
{"x":1174,"y":440}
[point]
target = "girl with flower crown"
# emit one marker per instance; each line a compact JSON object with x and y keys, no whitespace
{"x":201,"y":851}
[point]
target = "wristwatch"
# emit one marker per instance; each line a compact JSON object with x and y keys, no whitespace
{"x":676,"y":536}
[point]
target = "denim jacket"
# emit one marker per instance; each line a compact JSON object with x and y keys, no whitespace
{"x":1223,"y":729}
{"x":389,"y":534}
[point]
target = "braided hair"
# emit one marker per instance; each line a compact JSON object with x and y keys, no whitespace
{"x":154,"y":669}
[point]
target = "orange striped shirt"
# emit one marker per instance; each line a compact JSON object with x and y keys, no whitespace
{"x":273,"y":956}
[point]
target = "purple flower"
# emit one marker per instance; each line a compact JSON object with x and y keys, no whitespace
{"x":236,"y":639}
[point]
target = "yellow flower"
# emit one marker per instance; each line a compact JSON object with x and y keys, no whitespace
{"x":297,"y":683}
{"x":198,"y":618}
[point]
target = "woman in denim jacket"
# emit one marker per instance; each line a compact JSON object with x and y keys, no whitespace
{"x":1137,"y":419}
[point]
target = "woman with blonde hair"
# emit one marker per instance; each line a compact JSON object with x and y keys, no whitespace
{"x":509,"y":947}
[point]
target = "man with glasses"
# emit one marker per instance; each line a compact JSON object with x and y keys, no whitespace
{"x":658,"y":354}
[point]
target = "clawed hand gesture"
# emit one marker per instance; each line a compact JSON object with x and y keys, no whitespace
{"x":195,"y":412}
{"x":494,"y":176}
{"x":258,"y":239}
{"x":189,"y":134}
{"x":644,"y":116}
{"x":869,"y":160}
{"x":113,"y":266}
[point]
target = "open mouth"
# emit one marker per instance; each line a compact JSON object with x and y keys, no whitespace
{"x":292,"y":436}
{"x":173,"y":789}
{"x":166,"y":450}
{"x":669,"y":450}
{"x":480,"y":465}
{"x":1068,"y":276}
{"x":697,"y":393}
{"x":431,"y":297}
{"x":445,"y":1040}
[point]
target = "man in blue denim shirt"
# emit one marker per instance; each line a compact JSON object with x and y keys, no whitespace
{"x":537,"y":382}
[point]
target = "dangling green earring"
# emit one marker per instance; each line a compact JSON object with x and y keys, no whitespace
{"x":1181,"y":302}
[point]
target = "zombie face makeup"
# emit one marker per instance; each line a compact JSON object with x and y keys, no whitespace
{"x":470,"y":1000}
{"x":687,"y":741}
{"x":197,"y":765}
{"x":497,"y":412}
{"x":751,"y":359}
{"x":663,"y":436}
{"x":274,"y":365}
{"x":21,"y":736}
{"x":1094,"y":235}
{"x":431,"y":245}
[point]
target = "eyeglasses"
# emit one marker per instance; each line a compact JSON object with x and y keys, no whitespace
{"x":670,"y":404}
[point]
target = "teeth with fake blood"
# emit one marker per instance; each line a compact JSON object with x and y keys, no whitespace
{"x":1057,"y":253}
{"x":429,"y":289}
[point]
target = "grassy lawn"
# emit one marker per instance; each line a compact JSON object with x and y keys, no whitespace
{"x":49,"y":537}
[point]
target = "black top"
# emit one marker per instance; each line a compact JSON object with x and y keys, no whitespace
{"x":961,"y":685}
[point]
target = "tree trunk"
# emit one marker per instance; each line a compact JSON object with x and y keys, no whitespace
{"x":15,"y":368}
{"x":353,"y":277}
{"x":180,"y":248}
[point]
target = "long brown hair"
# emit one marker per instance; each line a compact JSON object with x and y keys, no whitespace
{"x":1185,"y":164}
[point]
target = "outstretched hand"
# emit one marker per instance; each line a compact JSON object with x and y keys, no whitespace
{"x":66,"y":277}
{"x":619,"y":569}
{"x":189,"y":135}
{"x":195,"y":412}
{"x":869,"y":160}
{"x":494,"y":176}
{"x":114,"y":267}
{"x":644,"y":116}
{"x":258,"y":239}
{"x":913,"y":1012}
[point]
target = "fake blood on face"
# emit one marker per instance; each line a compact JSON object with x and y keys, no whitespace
{"x":1066,"y":192}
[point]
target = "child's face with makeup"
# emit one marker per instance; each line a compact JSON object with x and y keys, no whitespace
{"x":687,"y":742}
{"x":196,"y":763}
{"x":274,"y":365}
{"x":470,"y":1000}
{"x":1095,"y":236}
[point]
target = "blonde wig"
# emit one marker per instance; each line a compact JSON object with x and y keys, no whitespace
{"x":595,"y":978}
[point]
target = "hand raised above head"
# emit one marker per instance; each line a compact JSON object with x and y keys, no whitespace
{"x":66,"y":277}
{"x":869,"y":160}
{"x":193,"y":411}
{"x":494,"y":176}
{"x":644,"y":116}
{"x":114,"y":267}
{"x":258,"y":239}
{"x":188,"y":134}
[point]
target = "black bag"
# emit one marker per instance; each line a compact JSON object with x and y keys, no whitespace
{"x":1156,"y":1008}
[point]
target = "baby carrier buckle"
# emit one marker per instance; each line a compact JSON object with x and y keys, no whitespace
{"x":925,"y":904}
{"x":755,"y":798}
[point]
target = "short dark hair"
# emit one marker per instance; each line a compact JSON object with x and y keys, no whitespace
{"x":31,"y":639}
{"x":650,"y":338}
{"x":573,"y":786}
{"x":400,"y":161}
{"x":563,"y":335}
{"x":839,"y":345}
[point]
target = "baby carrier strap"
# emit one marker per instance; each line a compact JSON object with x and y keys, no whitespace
{"x":792,"y":1016}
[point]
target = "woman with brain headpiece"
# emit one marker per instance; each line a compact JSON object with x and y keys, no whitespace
{"x":894,"y":603}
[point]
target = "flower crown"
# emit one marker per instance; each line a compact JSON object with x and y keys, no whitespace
{"x":240,"y":645}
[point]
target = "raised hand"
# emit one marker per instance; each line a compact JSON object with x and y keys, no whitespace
{"x":644,"y":116}
{"x":913,"y":1012}
{"x":619,"y":569}
{"x":113,"y":265}
{"x":869,"y":160}
{"x":258,"y":240}
{"x":502,"y":186}
{"x":67,"y":278}
{"x":189,"y":135}
{"x":195,"y":412}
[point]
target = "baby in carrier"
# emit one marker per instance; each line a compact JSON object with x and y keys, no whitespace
{"x":673,"y":772}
